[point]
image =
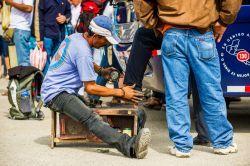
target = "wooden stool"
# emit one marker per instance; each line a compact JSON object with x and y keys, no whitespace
{"x":72,"y":131}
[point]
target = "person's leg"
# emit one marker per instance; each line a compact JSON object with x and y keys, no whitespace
{"x":21,"y":40}
{"x":73,"y":107}
{"x":204,"y":60}
{"x":6,"y":55}
{"x":1,"y":72}
{"x":144,"y":43}
{"x":1,"y":55}
{"x":48,"y":46}
{"x":56,"y":44}
{"x":116,"y":65}
{"x":7,"y":62}
{"x":176,"y":76}
{"x":200,"y":126}
{"x":16,"y":39}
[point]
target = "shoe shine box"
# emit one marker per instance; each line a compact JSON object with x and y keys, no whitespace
{"x":123,"y":118}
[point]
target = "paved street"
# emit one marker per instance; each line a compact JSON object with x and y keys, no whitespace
{"x":26,"y":143}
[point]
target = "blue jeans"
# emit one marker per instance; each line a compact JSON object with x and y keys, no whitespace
{"x":182,"y":51}
{"x":104,"y":63}
{"x":21,"y":40}
{"x":50,"y":46}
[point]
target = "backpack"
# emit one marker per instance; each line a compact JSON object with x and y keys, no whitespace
{"x":23,"y":90}
{"x":89,"y":10}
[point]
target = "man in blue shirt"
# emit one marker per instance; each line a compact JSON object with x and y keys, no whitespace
{"x":71,"y":68}
{"x":53,"y":15}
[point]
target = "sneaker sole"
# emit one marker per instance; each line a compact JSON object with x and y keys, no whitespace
{"x":179,"y":155}
{"x":225,"y":153}
{"x":235,"y":150}
{"x":142,"y":149}
{"x":182,"y":156}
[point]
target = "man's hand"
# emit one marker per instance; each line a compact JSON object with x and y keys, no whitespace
{"x":219,"y":30}
{"x":131,"y":94}
{"x":39,"y":44}
{"x":60,"y":19}
{"x":106,"y":71}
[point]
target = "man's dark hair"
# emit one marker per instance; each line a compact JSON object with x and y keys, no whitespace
{"x":90,"y":32}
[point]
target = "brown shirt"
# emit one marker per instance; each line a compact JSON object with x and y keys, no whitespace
{"x":187,"y":13}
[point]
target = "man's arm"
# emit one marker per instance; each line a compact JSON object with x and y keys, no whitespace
{"x":20,"y":6}
{"x":68,"y":12}
{"x":127,"y":92}
{"x":145,"y":12}
{"x":227,"y":15}
{"x":228,"y":11}
{"x":104,"y":72}
{"x":65,"y":17}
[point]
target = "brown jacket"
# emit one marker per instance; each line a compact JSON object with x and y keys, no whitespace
{"x":187,"y":13}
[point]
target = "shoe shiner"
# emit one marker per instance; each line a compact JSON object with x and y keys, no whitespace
{"x":71,"y":68}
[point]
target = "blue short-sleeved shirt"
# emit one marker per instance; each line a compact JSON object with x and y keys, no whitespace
{"x":71,"y":65}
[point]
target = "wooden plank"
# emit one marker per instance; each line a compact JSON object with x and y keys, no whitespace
{"x":58,"y":140}
{"x":53,"y":129}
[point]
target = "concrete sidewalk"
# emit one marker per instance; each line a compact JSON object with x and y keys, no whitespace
{"x":24,"y":143}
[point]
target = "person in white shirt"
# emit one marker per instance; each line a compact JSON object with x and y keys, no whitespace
{"x":75,"y":11}
{"x":20,"y":20}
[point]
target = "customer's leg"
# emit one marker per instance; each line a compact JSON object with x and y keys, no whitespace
{"x":204,"y":61}
{"x":200,"y":126}
{"x":72,"y":106}
{"x":144,"y":42}
{"x":176,"y":76}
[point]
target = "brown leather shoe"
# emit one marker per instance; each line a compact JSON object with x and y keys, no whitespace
{"x":153,"y":103}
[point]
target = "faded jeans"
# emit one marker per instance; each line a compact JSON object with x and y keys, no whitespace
{"x":182,"y":51}
{"x":75,"y":108}
{"x":146,"y":40}
{"x":21,"y":40}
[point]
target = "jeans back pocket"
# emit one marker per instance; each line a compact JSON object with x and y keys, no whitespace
{"x":206,"y":48}
{"x":169,"y":44}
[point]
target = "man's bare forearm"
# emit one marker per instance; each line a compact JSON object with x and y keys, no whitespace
{"x":93,"y":89}
{"x":22,"y":7}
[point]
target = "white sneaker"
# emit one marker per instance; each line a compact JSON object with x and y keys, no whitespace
{"x":177,"y":153}
{"x":141,"y":143}
{"x":231,"y":149}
